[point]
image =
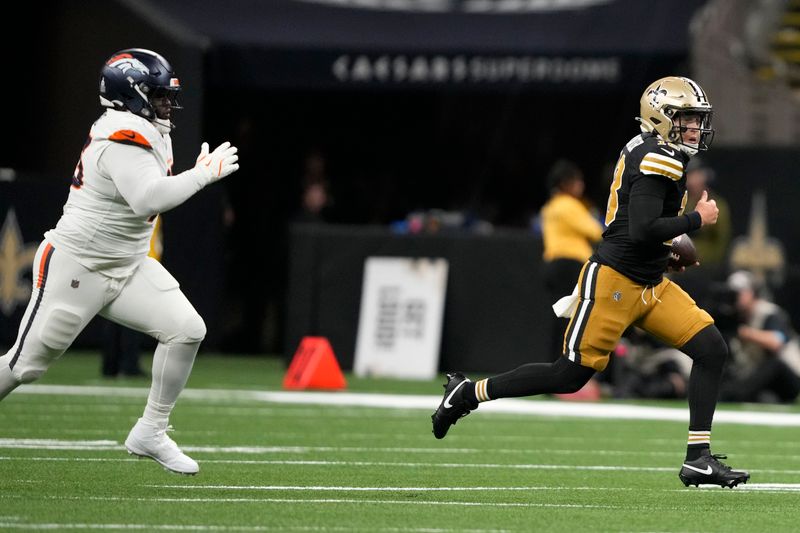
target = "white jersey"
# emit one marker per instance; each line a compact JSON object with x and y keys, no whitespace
{"x":99,"y":228}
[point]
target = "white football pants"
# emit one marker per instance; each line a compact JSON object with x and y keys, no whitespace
{"x":66,"y":296}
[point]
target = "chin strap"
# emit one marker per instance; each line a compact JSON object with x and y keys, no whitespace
{"x":163,"y":125}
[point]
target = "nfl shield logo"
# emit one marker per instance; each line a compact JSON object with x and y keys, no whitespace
{"x":617,"y":296}
{"x":75,"y":284}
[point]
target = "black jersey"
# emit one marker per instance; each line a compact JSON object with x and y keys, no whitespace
{"x":645,"y":209}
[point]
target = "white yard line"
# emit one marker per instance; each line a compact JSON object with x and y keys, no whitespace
{"x":373,"y":489}
{"x":371,"y":464}
{"x":183,"y":527}
{"x":771,"y":488}
{"x":146,"y":527}
{"x":306,"y":501}
{"x":600,"y":410}
{"x":107,"y":445}
{"x":393,"y":464}
{"x":56,"y":444}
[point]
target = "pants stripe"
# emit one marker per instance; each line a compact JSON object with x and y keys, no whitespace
{"x":588,"y":286}
{"x":44,"y":267}
{"x":572,"y":323}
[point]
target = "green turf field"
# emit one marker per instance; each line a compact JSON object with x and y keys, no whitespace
{"x":271,"y":466}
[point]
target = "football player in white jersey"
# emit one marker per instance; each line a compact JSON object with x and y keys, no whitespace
{"x":95,"y":260}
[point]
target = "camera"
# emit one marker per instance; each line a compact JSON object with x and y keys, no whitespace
{"x":722,"y":307}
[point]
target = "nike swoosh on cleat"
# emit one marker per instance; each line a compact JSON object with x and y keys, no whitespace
{"x":707,"y":471}
{"x":670,"y":152}
{"x":447,"y":404}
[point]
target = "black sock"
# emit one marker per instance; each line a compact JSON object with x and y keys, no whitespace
{"x":561,"y":376}
{"x":695,"y":451}
{"x":708,"y":350}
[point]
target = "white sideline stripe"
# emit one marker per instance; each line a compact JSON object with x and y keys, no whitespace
{"x":429,"y":402}
{"x":175,"y":527}
{"x":375,"y":489}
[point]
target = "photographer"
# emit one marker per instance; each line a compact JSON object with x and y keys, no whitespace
{"x":765,"y":354}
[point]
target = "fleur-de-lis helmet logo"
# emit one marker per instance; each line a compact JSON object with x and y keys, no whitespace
{"x":654,"y":95}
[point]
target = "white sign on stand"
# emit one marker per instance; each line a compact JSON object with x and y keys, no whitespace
{"x":400,"y":324}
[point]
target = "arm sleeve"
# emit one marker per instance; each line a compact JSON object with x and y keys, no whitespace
{"x":645,"y":206}
{"x":141,"y":183}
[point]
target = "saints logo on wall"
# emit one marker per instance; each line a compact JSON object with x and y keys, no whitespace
{"x":16,"y":259}
{"x":757,"y":251}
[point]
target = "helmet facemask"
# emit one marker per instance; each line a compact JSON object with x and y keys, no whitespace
{"x":162,"y":101}
{"x":680,"y":118}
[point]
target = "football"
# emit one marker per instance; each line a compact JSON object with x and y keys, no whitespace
{"x":682,"y":252}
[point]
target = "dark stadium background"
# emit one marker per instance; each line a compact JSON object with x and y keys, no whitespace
{"x":391,"y":147}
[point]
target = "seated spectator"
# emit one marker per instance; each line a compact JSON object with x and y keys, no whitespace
{"x":647,"y":368}
{"x":765,"y":354}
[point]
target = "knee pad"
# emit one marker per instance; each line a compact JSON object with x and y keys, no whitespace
{"x":192,"y":330}
{"x":29,"y":373}
{"x":571,"y":377}
{"x":59,"y":329}
{"x":707,"y":347}
{"x":25,"y":371}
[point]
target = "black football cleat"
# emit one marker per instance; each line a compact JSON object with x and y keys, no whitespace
{"x":453,"y":405}
{"x":708,"y":470}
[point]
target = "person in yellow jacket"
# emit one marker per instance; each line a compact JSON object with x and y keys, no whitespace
{"x":711,"y":241}
{"x":569,"y":230}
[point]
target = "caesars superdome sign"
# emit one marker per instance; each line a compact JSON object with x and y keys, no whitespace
{"x":464,"y":6}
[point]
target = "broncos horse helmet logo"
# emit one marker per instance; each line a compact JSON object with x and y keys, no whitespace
{"x":125,"y":62}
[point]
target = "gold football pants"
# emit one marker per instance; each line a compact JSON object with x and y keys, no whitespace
{"x":610,"y":303}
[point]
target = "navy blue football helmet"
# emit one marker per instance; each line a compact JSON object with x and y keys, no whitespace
{"x":142,"y":82}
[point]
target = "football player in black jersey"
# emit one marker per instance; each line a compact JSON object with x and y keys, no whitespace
{"x":623,"y":284}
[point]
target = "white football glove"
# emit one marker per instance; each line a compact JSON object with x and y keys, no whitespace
{"x":219,"y":163}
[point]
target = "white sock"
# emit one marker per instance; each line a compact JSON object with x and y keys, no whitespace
{"x":172,"y":364}
{"x":7,"y":380}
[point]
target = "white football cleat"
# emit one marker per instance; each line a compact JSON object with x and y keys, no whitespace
{"x":147,"y":440}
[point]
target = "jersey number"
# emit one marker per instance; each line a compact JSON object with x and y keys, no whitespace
{"x":77,"y":176}
{"x":613,"y":196}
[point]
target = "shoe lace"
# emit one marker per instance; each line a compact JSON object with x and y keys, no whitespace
{"x":162,"y":434}
{"x":163,"y":431}
{"x":716,"y":458}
